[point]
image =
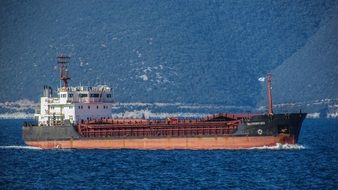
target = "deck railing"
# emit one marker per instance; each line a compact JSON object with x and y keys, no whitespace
{"x":158,"y":129}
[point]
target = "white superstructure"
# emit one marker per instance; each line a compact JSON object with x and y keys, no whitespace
{"x":75,"y":104}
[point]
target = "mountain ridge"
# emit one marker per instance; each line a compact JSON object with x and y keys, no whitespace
{"x":193,"y":52}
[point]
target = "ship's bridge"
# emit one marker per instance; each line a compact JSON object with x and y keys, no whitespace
{"x":75,"y":104}
{"x":85,"y":94}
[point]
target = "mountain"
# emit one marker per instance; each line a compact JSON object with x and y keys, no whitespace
{"x":311,"y":73}
{"x":159,"y":51}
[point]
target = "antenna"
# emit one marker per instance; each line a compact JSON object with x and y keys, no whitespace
{"x":269,"y":76}
{"x":63,"y":61}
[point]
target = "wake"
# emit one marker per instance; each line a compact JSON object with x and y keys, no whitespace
{"x":279,"y":146}
{"x":20,"y":147}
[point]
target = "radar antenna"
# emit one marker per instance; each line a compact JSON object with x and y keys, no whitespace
{"x":63,"y":61}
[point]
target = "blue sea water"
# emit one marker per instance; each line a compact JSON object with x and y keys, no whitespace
{"x":312,"y":164}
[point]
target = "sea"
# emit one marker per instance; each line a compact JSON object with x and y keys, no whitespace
{"x":310,"y":164}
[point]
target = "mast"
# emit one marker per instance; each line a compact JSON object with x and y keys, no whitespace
{"x":63,"y":61}
{"x":269,"y":76}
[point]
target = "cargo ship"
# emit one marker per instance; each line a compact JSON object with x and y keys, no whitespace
{"x":81,"y":118}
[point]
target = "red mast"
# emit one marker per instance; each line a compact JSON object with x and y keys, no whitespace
{"x":269,"y":94}
{"x":64,"y":75}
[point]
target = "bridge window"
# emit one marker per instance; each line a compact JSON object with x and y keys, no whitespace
{"x":83,"y":95}
{"x":94,"y":95}
{"x":88,"y":107}
{"x":108,"y":95}
{"x":70,"y":95}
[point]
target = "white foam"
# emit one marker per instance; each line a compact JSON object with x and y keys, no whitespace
{"x":20,"y":147}
{"x":280,"y":146}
